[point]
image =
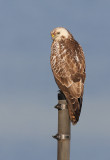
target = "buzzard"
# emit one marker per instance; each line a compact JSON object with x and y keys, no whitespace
{"x":68,"y":67}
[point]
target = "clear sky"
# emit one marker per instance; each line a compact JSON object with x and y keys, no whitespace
{"x":28,"y":91}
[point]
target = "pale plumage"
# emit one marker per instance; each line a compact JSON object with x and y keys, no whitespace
{"x":68,"y":66}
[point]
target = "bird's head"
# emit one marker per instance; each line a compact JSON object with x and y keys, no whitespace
{"x":60,"y":33}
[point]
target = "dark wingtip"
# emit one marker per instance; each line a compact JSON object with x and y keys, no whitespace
{"x":74,"y":120}
{"x":74,"y":112}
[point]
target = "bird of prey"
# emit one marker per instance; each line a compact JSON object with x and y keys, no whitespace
{"x":68,"y":67}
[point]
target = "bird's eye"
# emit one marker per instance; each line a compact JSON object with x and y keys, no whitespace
{"x":58,"y":32}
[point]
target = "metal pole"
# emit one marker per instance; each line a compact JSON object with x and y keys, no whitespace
{"x":63,"y":135}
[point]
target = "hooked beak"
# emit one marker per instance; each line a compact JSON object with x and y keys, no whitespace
{"x":53,"y":36}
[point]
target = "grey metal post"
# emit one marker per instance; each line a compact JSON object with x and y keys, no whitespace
{"x":63,"y":135}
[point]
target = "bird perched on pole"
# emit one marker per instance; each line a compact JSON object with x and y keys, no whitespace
{"x":68,"y":67}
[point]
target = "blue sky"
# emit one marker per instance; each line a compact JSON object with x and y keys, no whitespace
{"x":27,"y":88}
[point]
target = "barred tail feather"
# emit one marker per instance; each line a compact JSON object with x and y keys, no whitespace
{"x":74,"y":110}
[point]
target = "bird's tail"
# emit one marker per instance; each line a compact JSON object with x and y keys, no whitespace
{"x":75,"y":110}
